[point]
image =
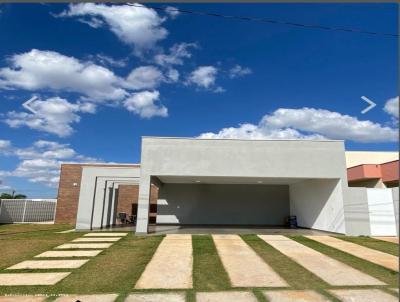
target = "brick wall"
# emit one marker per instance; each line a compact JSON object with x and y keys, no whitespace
{"x":68,"y":194}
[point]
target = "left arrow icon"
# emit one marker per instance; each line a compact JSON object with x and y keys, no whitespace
{"x":371,"y":104}
{"x":28,"y":102}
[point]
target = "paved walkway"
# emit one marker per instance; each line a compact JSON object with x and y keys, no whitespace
{"x":374,"y":256}
{"x":22,"y":298}
{"x":244,"y":267}
{"x":156,"y":297}
{"x":388,"y":239}
{"x":330,"y":270}
{"x":228,"y":296}
{"x":294,"y":296}
{"x":49,"y":264}
{"x":88,"y":298}
{"x":171,"y":265}
{"x":363,"y":295}
{"x":19,"y":279}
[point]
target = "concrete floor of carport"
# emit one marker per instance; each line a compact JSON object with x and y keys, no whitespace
{"x":218,"y":229}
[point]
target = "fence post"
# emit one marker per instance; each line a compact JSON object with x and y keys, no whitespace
{"x":23,"y":215}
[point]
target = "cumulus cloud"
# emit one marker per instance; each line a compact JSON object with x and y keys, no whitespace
{"x":238,"y":71}
{"x":203,"y":76}
{"x":109,"y":61}
{"x":40,"y":163}
{"x":138,"y":26}
{"x":176,"y":55}
{"x":172,"y":12}
{"x":145,"y":104}
{"x":392,"y":107}
{"x":53,"y":115}
{"x":310,"y":123}
{"x":38,"y":69}
{"x":144,"y":77}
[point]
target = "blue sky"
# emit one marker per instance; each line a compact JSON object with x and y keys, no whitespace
{"x":103,"y":76}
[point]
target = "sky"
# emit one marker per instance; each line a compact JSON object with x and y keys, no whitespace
{"x":99,"y":77}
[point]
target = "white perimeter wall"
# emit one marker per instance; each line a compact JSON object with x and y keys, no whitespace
{"x":318,"y":204}
{"x":381,"y":212}
{"x":223,"y":204}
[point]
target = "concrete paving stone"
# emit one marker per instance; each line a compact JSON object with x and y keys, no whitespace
{"x":395,"y":290}
{"x":22,"y":298}
{"x":18,"y":279}
{"x":388,"y":239}
{"x":294,"y":296}
{"x":371,"y":255}
{"x":65,"y":232}
{"x":84,"y":246}
{"x":328,"y":269}
{"x":96,"y":239}
{"x":55,"y":254}
{"x":171,"y":265}
{"x":156,"y":297}
{"x":363,"y":295}
{"x":101,"y":234}
{"x":228,"y":296}
{"x":244,"y":267}
{"x":88,"y":298}
{"x":49,"y":264}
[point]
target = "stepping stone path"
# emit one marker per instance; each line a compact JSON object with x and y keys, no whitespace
{"x":294,"y":296}
{"x":388,"y":239}
{"x":228,"y":296}
{"x":374,"y":256}
{"x":96,"y":239}
{"x":88,"y":298}
{"x":48,"y":264}
{"x":57,"y":254}
{"x":84,"y":246}
{"x":100,"y":234}
{"x":244,"y":267}
{"x":22,"y":299}
{"x":158,"y":297}
{"x":19,"y":279}
{"x":363,"y":295}
{"x":65,"y":232}
{"x":171,"y":265}
{"x":328,"y":269}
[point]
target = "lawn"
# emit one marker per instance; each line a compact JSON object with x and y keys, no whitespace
{"x":117,"y":269}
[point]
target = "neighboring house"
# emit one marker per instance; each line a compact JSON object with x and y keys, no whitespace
{"x":190,"y":181}
{"x":373,"y":169}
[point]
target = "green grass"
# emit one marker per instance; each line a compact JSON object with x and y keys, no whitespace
{"x":23,"y":242}
{"x":297,"y":276}
{"x":376,"y":244}
{"x":208,"y":271}
{"x":115,"y":270}
{"x":388,"y":276}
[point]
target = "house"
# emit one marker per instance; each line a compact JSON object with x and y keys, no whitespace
{"x":188,"y":181}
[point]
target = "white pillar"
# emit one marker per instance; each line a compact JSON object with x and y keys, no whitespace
{"x":142,"y":222}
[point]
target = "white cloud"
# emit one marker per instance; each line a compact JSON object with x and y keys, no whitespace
{"x":392,"y":107}
{"x":106,"y":60}
{"x":37,"y":69}
{"x":53,"y":115}
{"x":144,"y":104}
{"x":172,"y":12}
{"x":177,"y":53}
{"x":40,"y":163}
{"x":238,"y":71}
{"x":144,"y":77}
{"x":309,"y":123}
{"x":203,"y":76}
{"x":138,"y":26}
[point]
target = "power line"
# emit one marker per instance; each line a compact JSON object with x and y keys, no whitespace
{"x":269,"y":21}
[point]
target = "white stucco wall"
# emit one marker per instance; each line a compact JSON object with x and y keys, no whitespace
{"x":91,"y":197}
{"x":275,"y":159}
{"x":223,"y":204}
{"x":356,"y":212}
{"x":318,"y":204}
{"x":381,"y":212}
{"x":355,"y":158}
{"x":395,"y":197}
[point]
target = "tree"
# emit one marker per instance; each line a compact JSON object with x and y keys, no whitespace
{"x":12,"y":196}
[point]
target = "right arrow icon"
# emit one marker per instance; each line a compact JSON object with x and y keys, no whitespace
{"x":371,"y":104}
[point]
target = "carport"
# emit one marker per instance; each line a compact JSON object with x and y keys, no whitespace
{"x":243,"y":182}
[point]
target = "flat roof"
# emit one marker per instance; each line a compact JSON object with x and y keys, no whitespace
{"x":243,"y":139}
